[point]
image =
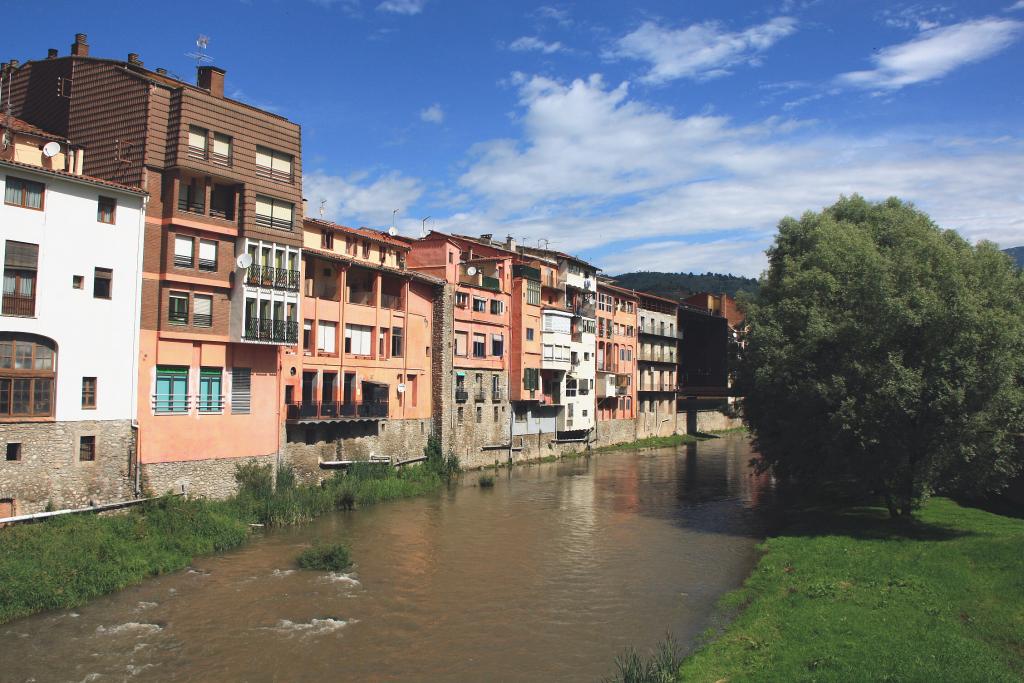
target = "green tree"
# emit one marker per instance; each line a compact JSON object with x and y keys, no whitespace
{"x":885,"y":355}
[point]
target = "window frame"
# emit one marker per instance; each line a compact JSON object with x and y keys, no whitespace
{"x":24,"y":186}
{"x":103,"y":274}
{"x":178,"y":295}
{"x":105,"y":203}
{"x":83,"y":440}
{"x":90,"y":389}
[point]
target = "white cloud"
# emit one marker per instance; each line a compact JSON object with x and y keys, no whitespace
{"x":1016,"y":6}
{"x":532,"y":43}
{"x":699,"y":51}
{"x":433,"y":114}
{"x":360,"y":198}
{"x":934,"y":53}
{"x":598,"y":172}
{"x":407,"y":7}
{"x":555,"y":14}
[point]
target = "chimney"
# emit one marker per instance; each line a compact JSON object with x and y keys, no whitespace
{"x":51,"y":53}
{"x":211,"y":78}
{"x":133,"y":58}
{"x":486,"y":236}
{"x":510,"y":242}
{"x":80,"y":48}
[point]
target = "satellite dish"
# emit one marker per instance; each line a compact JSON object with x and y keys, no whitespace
{"x":51,"y":149}
{"x":392,"y":231}
{"x":244,"y":260}
{"x":471,"y":270}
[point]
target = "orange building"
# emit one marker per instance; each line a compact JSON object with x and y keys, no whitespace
{"x":365,"y":347}
{"x":482,"y":284}
{"x":616,"y":351}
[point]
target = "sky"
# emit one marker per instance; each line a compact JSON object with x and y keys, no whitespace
{"x":648,"y":135}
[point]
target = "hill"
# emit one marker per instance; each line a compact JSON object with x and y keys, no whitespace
{"x":682,"y":285}
{"x":1017,"y":254}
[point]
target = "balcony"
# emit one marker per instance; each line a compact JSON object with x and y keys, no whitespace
{"x":265,"y":221}
{"x":16,"y":304}
{"x":659,"y":330}
{"x":657,"y":357}
{"x":461,"y":395}
{"x":268,"y":276}
{"x":479,"y":396}
{"x":478,"y":279}
{"x":585,"y":310}
{"x":220,"y":159}
{"x":391,"y":301}
{"x":321,"y":411}
{"x":496,"y":394}
{"x":363,"y":297}
{"x":186,"y":205}
{"x":657,"y":386}
{"x":272,"y":331}
{"x":197,"y":153}
{"x":274,"y":174}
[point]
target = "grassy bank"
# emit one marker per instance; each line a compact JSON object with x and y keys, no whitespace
{"x":852,"y":596}
{"x":66,"y":561}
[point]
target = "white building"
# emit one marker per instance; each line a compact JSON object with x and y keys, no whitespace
{"x":72,"y":252}
{"x":580,"y":280}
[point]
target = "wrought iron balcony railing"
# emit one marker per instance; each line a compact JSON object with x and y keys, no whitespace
{"x":269,"y":330}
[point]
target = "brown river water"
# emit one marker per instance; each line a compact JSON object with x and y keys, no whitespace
{"x":545,"y":577}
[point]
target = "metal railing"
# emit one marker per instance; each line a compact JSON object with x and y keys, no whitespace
{"x":220,"y":159}
{"x":15,"y":304}
{"x":279,"y":176}
{"x":207,"y":264}
{"x":496,"y":394}
{"x":392,"y":301}
{"x":660,"y":330}
{"x":657,"y":386}
{"x":461,"y":395}
{"x":197,"y":153}
{"x":172,"y":405}
{"x":479,"y":396}
{"x":194,"y":206}
{"x":269,"y":330}
{"x":211,"y":404}
{"x":269,"y":222}
{"x":202,"y":320}
{"x":336,"y":410}
{"x":657,"y":357}
{"x":269,"y":276}
{"x":181,"y":261}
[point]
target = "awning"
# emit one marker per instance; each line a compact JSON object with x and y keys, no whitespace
{"x":460,"y":373}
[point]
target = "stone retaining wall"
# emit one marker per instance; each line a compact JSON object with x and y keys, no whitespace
{"x":50,"y":471}
{"x":212,"y":478}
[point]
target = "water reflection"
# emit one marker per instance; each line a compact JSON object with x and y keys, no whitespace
{"x":544,"y":577}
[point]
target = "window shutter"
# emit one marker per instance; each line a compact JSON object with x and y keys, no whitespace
{"x":183,"y":246}
{"x":282,"y":212}
{"x":207,"y":250}
{"x":263,"y":157}
{"x":222,"y":145}
{"x":264,"y":206}
{"x":283,"y":163}
{"x":21,"y":255}
{"x":241,"y":391}
{"x":196,"y":137}
{"x":203,"y":304}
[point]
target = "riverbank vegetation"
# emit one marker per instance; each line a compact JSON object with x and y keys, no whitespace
{"x":854,"y":596}
{"x":331,"y":557}
{"x":66,"y":561}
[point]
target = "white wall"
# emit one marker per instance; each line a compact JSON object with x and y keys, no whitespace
{"x":94,"y":337}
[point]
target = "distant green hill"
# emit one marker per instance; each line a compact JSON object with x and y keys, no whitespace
{"x":682,"y":285}
{"x":1017,"y":254}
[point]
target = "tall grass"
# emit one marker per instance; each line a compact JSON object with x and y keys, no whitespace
{"x":662,"y":666}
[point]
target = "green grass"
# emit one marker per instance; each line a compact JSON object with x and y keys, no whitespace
{"x":853,"y":596}
{"x":66,"y":561}
{"x":333,"y":557}
{"x":653,"y":442}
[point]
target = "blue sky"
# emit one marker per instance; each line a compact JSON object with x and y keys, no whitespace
{"x":644,"y":135}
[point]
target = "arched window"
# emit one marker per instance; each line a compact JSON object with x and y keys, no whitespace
{"x":28,"y":372}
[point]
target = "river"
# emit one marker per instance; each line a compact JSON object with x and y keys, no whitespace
{"x":545,"y":577}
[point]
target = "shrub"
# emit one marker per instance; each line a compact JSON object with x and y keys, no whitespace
{"x":255,"y":479}
{"x":334,"y":557}
{"x":485,"y":481}
{"x":285,"y":478}
{"x":661,"y":667}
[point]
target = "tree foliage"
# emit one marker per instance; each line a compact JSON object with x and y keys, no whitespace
{"x":682,"y":285}
{"x":885,"y":355}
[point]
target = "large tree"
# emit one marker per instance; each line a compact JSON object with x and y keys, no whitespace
{"x":886,"y":355}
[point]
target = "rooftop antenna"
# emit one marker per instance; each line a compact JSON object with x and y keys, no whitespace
{"x":202,"y":41}
{"x":545,"y":241}
{"x":323,"y":203}
{"x":394,"y":214}
{"x":423,"y":226}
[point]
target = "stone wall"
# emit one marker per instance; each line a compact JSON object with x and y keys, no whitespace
{"x":212,"y":478}
{"x":441,"y":362}
{"x":308,"y":445}
{"x":481,"y":428}
{"x":611,"y":432}
{"x":714,"y":421}
{"x":50,"y":471}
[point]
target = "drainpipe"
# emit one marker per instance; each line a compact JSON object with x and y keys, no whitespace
{"x":136,"y":326}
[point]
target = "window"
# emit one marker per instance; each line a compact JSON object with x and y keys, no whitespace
{"x":106,"y":208}
{"x":210,"y":398}
{"x":549,"y":352}
{"x":13,"y":452}
{"x":461,"y":415}
{"x":529,"y":334}
{"x":183,"y":246}
{"x":479,"y":305}
{"x":20,"y":263}
{"x":570,"y":386}
{"x":202,"y":315}
{"x":479,"y":414}
{"x":327,"y":239}
{"x":479,"y":346}
{"x":171,"y":389}
{"x":24,"y":193}
{"x":327,"y":337}
{"x":366,"y":249}
{"x":208,"y":255}
{"x":221,"y":149}
{"x":396,"y":342}
{"x":273,"y":164}
{"x":197,"y":142}
{"x":461,"y":299}
{"x":382,"y":342}
{"x":358,"y":340}
{"x":497,"y":307}
{"x":87,"y":448}
{"x":495,"y":413}
{"x":88,"y":393}
{"x":274,"y":213}
{"x":461,"y":339}
{"x":177,"y":308}
{"x":497,"y":345}
{"x":102,"y":283}
{"x":307,"y":335}
{"x":78,"y":281}
{"x":241,"y":391}
{"x":27,"y":375}
{"x":533,"y":292}
{"x":531,"y":379}
{"x":222,"y":202}
{"x":192,"y":196}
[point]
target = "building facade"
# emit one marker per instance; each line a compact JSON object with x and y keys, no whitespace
{"x":72,"y":253}
{"x":224,"y":180}
{"x":657,"y":361}
{"x":616,"y":351}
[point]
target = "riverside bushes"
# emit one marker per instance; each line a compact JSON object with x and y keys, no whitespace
{"x":332,"y":557}
{"x":65,"y":561}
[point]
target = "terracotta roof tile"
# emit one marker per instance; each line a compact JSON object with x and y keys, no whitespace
{"x":22,"y":126}
{"x":341,"y":258}
{"x":375,"y":235}
{"x":73,"y":177}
